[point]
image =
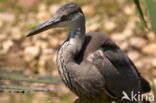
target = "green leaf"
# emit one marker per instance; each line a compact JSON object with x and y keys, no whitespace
{"x":152,"y":12}
{"x":140,"y":12}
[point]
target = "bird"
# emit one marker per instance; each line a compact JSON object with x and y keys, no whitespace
{"x":91,"y":64}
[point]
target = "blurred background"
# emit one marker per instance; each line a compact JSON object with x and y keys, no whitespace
{"x":30,"y":62}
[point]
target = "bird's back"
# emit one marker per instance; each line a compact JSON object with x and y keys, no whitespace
{"x":118,"y":71}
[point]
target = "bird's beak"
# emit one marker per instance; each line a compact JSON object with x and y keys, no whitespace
{"x":45,"y":26}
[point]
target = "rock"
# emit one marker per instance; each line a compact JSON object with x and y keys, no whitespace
{"x":26,"y":4}
{"x":6,"y":45}
{"x":16,"y":33}
{"x":154,"y":72}
{"x":109,"y":26}
{"x":43,"y":13}
{"x":128,"y":10}
{"x":31,"y":52}
{"x":150,"y":49}
{"x":42,"y":16}
{"x":119,"y":37}
{"x":1,"y":24}
{"x":42,"y":44}
{"x":92,"y":24}
{"x":93,"y":27}
{"x":62,"y":36}
{"x":42,"y":7}
{"x":26,"y":43}
{"x":134,"y":55}
{"x":154,"y":62}
{"x":47,"y":51}
{"x":54,"y":42}
{"x":53,"y":8}
{"x":137,"y":42}
{"x":7,"y":17}
{"x":3,"y":37}
{"x":130,"y":27}
{"x":50,"y":66}
{"x":139,"y":64}
{"x":14,"y":59}
{"x":88,"y":10}
{"x":124,"y":45}
{"x":62,"y":90}
{"x":151,"y":36}
{"x":154,"y":81}
{"x":42,"y":64}
{"x":143,"y":63}
{"x":121,"y":1}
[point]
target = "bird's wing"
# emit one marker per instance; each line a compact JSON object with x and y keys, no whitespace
{"x":122,"y":62}
{"x":144,"y":83}
{"x":118,"y":71}
{"x":118,"y":74}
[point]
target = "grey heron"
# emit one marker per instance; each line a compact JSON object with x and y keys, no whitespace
{"x":92,"y":65}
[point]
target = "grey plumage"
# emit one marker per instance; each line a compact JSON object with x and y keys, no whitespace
{"x":91,"y":65}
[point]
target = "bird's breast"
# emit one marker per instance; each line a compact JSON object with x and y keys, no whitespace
{"x":63,"y":69}
{"x":84,"y":78}
{"x":61,"y":57}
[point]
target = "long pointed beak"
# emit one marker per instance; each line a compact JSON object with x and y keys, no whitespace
{"x":45,"y":26}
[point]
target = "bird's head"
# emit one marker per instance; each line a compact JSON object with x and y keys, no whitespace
{"x":66,"y":16}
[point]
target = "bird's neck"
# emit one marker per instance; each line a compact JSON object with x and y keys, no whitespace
{"x":71,"y":47}
{"x":74,"y":43}
{"x":76,"y":38}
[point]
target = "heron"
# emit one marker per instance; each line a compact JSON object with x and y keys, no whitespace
{"x":92,"y":65}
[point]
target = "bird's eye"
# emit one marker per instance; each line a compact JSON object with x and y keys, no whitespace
{"x":65,"y":17}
